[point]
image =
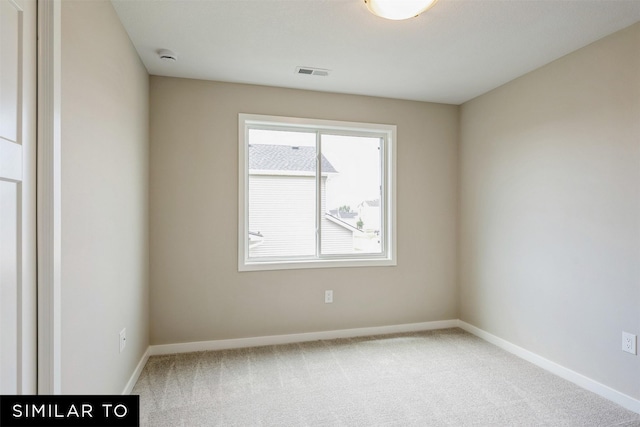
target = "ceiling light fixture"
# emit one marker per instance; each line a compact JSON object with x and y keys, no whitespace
{"x":398,"y":9}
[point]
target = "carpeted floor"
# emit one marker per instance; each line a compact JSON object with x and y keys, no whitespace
{"x":434,"y":378}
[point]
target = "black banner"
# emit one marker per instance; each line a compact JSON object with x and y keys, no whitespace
{"x":67,"y":410}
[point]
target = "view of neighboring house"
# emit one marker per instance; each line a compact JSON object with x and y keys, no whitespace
{"x":369,"y":214}
{"x":345,"y":215}
{"x":282,"y":198}
{"x":333,"y":245}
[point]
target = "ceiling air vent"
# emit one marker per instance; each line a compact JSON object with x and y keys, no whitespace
{"x":310,"y":71}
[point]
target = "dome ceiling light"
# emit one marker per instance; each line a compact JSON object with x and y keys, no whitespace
{"x":398,"y":9}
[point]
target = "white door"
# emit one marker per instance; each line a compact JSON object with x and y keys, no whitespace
{"x":17,"y":197}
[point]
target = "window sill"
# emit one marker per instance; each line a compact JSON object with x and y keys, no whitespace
{"x":316,"y":263}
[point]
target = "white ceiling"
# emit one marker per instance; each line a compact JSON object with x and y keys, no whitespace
{"x":454,"y":52}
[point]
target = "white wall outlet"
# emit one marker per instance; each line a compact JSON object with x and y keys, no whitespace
{"x":123,"y":339}
{"x":328,"y":297}
{"x":628,"y":342}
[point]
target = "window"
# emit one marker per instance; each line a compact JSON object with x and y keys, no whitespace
{"x":315,"y":193}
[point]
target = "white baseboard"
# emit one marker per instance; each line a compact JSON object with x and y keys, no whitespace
{"x":188,"y":347}
{"x":607,"y":392}
{"x":136,"y":373}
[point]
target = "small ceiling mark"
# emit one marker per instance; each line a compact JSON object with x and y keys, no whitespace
{"x":167,"y":55}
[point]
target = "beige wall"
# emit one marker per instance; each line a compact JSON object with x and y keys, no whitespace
{"x":196,"y":290}
{"x":104,"y":200}
{"x":550,"y":210}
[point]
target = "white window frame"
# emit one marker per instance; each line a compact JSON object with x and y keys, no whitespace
{"x":388,"y":197}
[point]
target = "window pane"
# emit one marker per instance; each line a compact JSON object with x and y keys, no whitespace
{"x":282,"y":194}
{"x":351,"y":195}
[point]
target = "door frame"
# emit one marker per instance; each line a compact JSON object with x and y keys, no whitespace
{"x":49,"y":197}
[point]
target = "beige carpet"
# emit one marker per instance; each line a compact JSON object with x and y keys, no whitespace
{"x":436,"y":378}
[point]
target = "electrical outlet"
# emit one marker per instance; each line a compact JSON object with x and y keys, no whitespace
{"x":328,"y":297}
{"x":123,"y":339}
{"x":628,"y":342}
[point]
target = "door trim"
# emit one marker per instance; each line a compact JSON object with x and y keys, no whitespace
{"x":49,"y":197}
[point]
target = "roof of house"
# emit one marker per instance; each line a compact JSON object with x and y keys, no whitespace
{"x":341,"y":222}
{"x":372,"y":203}
{"x":342,"y":214}
{"x":285,"y":158}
